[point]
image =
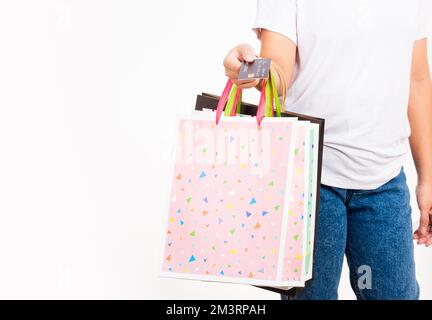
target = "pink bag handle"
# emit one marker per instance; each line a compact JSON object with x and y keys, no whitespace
{"x":261,"y":107}
{"x":223,"y":100}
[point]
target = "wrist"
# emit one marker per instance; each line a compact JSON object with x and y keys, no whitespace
{"x":424,"y":178}
{"x":424,"y":183}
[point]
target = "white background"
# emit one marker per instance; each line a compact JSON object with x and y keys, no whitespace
{"x":88,"y":95}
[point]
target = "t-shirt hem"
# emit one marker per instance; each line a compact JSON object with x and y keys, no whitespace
{"x":421,"y":37}
{"x":332,"y":182}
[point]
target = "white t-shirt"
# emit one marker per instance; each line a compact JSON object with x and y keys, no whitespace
{"x":353,"y":69}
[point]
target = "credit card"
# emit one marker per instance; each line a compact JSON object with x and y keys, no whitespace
{"x":258,"y":69}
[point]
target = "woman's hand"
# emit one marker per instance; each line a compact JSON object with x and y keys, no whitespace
{"x":423,"y":234}
{"x":233,"y":61}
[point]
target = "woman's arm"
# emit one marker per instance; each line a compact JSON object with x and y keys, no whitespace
{"x":420,"y":117}
{"x":279,"y":48}
{"x":283,"y":52}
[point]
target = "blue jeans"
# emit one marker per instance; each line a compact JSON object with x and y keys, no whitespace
{"x":373,"y":228}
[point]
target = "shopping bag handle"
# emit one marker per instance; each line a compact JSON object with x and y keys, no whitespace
{"x":223,"y":100}
{"x":261,"y":112}
{"x":231,"y":100}
{"x":234,"y":102}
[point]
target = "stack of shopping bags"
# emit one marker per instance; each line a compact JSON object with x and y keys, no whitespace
{"x":244,"y":192}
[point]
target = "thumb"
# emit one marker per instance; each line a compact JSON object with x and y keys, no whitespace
{"x":246,"y":53}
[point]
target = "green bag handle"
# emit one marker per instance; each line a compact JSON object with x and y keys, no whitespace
{"x":231,"y":101}
{"x":239,"y":103}
{"x":275,"y":95}
{"x":272,"y":98}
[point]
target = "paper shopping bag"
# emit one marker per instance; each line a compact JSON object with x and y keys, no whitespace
{"x":243,"y":197}
{"x":206,"y":101}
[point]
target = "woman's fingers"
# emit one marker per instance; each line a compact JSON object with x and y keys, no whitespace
{"x":239,"y":54}
{"x":422,"y":240}
{"x":246,"y":53}
{"x":233,"y":61}
{"x":423,"y":234}
{"x":233,"y":75}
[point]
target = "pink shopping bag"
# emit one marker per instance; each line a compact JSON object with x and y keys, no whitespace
{"x":237,"y":199}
